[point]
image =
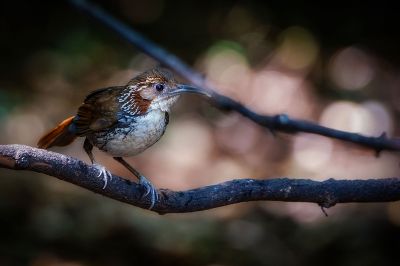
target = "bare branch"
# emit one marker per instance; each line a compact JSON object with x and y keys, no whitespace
{"x":326,"y":193}
{"x":274,"y":123}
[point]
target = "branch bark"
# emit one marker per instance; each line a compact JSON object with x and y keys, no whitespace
{"x":326,"y":193}
{"x":280,"y":122}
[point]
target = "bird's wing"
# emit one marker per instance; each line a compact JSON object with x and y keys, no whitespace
{"x":98,"y":112}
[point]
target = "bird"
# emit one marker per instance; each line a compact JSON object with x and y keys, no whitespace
{"x":123,"y":121}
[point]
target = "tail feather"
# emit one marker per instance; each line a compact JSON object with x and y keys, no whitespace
{"x":58,"y":136}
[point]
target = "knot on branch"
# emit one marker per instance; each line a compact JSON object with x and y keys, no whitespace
{"x":282,"y":119}
{"x":283,"y":122}
{"x":328,"y":202}
{"x":22,"y":159}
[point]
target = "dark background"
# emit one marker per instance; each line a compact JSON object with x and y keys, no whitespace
{"x":51,"y":55}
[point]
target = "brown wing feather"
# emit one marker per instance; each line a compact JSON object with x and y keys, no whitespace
{"x":98,"y":112}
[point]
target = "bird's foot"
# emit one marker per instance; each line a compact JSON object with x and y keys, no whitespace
{"x":150,"y":189}
{"x":104,"y":173}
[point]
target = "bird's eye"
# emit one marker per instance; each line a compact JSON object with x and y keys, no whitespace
{"x":159,"y":87}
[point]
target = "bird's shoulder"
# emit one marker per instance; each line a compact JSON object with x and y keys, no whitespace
{"x":98,"y":110}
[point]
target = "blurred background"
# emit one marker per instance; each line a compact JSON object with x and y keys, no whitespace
{"x":337,"y":65}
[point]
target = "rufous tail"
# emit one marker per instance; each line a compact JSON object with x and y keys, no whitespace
{"x":58,"y":136}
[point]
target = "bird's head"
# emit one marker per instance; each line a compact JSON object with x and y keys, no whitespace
{"x":157,"y":89}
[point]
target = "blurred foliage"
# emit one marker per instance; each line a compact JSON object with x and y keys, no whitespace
{"x":334,"y":63}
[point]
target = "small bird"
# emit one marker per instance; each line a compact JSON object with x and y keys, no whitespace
{"x":123,"y":121}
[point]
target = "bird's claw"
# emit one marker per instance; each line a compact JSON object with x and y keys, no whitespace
{"x":150,"y":189}
{"x":103,"y":172}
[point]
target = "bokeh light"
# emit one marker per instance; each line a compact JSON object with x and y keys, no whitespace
{"x":312,"y":153}
{"x":347,"y":116}
{"x":351,"y":69}
{"x":370,"y":118}
{"x":279,"y":92}
{"x":226,"y":65}
{"x":298,"y":48}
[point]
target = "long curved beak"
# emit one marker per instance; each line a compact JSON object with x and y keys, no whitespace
{"x":182,"y":88}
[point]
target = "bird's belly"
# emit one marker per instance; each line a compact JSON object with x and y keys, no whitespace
{"x":135,"y":137}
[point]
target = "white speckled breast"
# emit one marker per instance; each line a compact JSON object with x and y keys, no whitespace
{"x":132,"y":135}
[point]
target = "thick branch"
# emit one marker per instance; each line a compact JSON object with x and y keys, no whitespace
{"x":274,"y":123}
{"x":326,"y":193}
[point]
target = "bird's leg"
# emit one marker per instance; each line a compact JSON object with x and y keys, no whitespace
{"x":88,"y":147}
{"x":150,"y":189}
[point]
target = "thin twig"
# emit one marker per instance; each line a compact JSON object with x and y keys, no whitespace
{"x":326,"y":193}
{"x":274,"y":123}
